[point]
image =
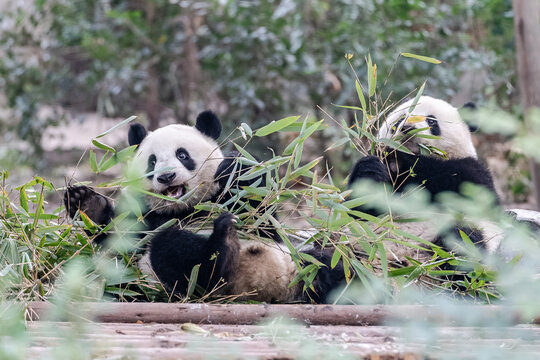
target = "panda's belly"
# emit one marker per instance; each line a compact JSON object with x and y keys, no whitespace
{"x":263,"y":273}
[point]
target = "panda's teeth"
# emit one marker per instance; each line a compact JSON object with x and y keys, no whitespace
{"x":175,"y":192}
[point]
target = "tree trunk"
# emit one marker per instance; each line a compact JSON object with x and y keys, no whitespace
{"x":527,"y":33}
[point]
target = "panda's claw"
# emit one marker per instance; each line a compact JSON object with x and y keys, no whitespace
{"x":95,"y":205}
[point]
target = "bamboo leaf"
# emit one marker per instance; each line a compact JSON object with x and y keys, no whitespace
{"x":247,"y":129}
{"x":93,"y":161}
{"x":421,"y":58}
{"x":103,"y":146}
{"x":129,"y":119}
{"x":372,"y":76}
{"x":276,"y":126}
{"x":193,"y":280}
{"x":417,"y":97}
{"x":360,"y":94}
{"x":23,"y":198}
{"x":335,"y":258}
{"x":304,"y":169}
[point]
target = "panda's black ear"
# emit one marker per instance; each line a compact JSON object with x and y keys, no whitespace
{"x":471,"y":106}
{"x":136,"y":134}
{"x":208,"y":124}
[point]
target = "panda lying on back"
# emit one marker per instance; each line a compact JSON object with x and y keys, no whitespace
{"x":193,"y":162}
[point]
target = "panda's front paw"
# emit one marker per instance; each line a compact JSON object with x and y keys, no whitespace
{"x":85,"y":199}
{"x":369,"y":167}
{"x":225,"y":224}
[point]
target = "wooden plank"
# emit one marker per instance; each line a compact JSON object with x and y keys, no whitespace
{"x":356,"y":315}
{"x":158,"y":341}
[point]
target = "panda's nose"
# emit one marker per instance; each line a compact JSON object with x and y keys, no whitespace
{"x":166,"y":178}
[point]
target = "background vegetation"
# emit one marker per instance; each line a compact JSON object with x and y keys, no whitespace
{"x":251,"y":61}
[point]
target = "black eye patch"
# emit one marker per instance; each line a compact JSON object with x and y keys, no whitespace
{"x":151,"y":165}
{"x":396,"y":125}
{"x":433,"y":124}
{"x":186,"y":160}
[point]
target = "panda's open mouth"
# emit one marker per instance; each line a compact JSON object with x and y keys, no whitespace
{"x":175,"y":192}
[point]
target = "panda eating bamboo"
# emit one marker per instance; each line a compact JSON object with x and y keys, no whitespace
{"x":182,"y":160}
{"x":435,"y":126}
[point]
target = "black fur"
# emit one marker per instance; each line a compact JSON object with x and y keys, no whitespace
{"x":186,"y":160}
{"x":208,"y":124}
{"x":96,"y":206}
{"x":433,"y":124}
{"x":174,"y":252}
{"x":436,"y":175}
{"x":327,"y":279}
{"x":151,"y":165}
{"x":471,"y":106}
{"x":369,"y":167}
{"x":136,"y":134}
{"x":444,"y":241}
{"x":166,"y":178}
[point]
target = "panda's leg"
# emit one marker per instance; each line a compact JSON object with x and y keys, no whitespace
{"x":327,"y":279}
{"x":475,"y":235}
{"x":96,"y":206}
{"x":174,"y":253}
{"x":224,"y":245}
{"x":371,"y":168}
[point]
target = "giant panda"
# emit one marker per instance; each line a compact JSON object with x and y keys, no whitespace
{"x":182,"y":159}
{"x":435,"y":172}
{"x":451,"y":161}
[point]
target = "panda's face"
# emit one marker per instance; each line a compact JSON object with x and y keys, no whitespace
{"x":182,"y":159}
{"x":441,"y":122}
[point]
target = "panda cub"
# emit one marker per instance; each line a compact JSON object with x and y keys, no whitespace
{"x":459,"y":164}
{"x":181,"y":159}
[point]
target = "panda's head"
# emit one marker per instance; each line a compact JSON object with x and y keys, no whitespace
{"x":183,"y":158}
{"x":441,"y":122}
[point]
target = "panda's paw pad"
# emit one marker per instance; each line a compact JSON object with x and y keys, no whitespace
{"x":85,"y":199}
{"x":225,"y":223}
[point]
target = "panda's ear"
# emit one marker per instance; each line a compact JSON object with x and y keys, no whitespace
{"x":208,"y":124}
{"x":471,"y":106}
{"x":136,"y":134}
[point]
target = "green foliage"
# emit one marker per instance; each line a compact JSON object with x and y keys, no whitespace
{"x":263,"y":59}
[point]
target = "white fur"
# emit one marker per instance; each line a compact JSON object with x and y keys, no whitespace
{"x":264,"y":276}
{"x":455,"y":138}
{"x":163,"y":143}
